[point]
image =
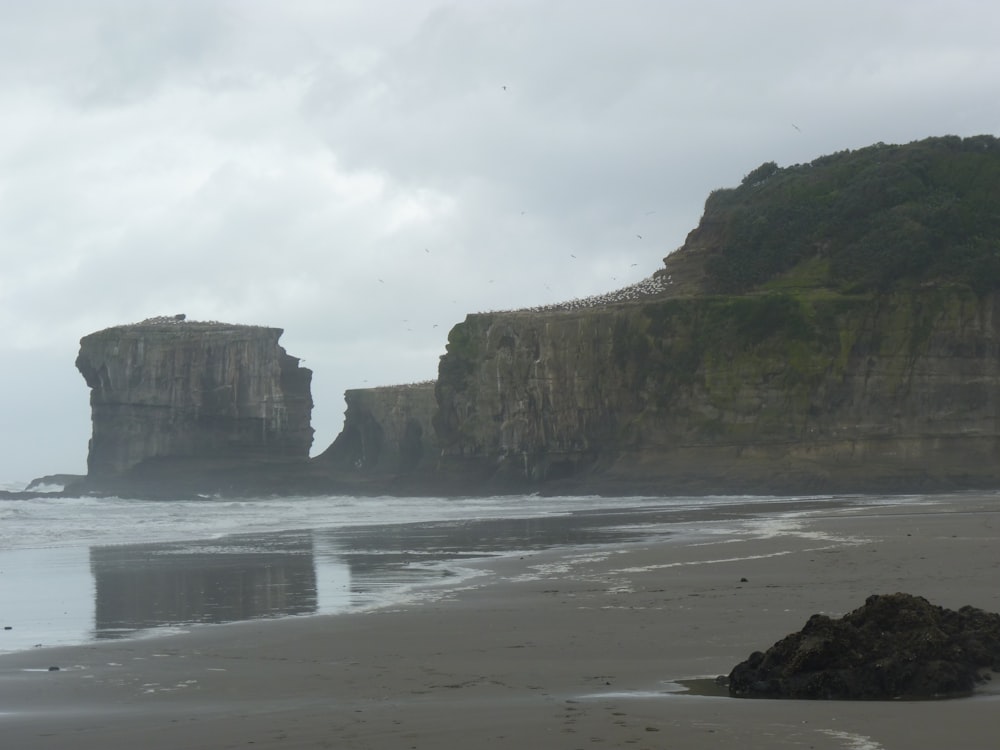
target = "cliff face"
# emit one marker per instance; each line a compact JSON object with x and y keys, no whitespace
{"x":767,"y":392}
{"x":387,"y":433}
{"x":828,"y":326}
{"x":174,"y":390}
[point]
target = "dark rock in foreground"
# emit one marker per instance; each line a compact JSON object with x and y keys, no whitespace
{"x":895,"y":646}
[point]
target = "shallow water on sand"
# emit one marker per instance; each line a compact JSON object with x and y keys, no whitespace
{"x":74,"y":570}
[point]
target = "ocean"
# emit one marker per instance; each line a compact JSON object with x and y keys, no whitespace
{"x":75,"y":570}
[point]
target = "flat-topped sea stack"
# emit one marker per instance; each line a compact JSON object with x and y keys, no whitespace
{"x":211,"y":404}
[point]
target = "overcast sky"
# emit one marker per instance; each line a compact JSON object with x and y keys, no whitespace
{"x":365,"y":173}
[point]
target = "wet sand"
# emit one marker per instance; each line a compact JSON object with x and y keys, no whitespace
{"x":555,"y":650}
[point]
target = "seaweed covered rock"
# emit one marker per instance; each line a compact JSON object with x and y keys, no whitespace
{"x":895,"y":646}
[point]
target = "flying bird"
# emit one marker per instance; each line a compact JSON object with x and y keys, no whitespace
{"x":796,"y":127}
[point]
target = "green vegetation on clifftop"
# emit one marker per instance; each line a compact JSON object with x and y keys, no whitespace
{"x":862,"y":221}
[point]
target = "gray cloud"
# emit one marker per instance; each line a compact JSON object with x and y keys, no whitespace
{"x":364,"y":175}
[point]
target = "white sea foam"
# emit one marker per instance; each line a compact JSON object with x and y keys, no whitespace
{"x":854,"y":741}
{"x":43,"y":522}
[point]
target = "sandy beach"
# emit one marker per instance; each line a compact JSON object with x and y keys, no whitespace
{"x":578,"y":649}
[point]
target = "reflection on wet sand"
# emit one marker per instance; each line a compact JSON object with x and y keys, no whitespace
{"x":382,"y":559}
{"x":143,"y":586}
{"x":152,"y":585}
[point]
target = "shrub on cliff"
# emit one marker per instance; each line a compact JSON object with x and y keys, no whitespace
{"x":882,"y":215}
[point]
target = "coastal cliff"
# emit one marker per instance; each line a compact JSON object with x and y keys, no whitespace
{"x":771,"y":392}
{"x":827,"y":327}
{"x":172,"y":396}
{"x":831,"y":326}
{"x":387,"y":432}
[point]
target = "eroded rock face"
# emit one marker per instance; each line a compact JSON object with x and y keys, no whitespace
{"x":172,"y":390}
{"x":756,"y":393}
{"x":895,"y":646}
{"x":387,"y":433}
